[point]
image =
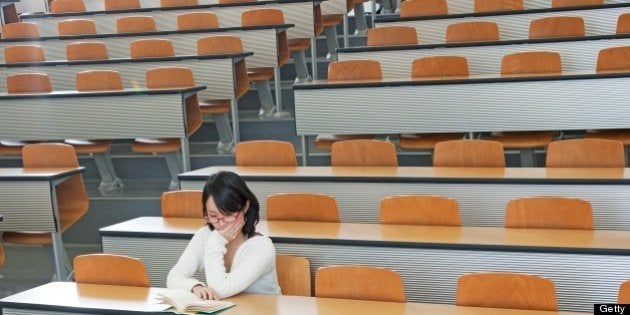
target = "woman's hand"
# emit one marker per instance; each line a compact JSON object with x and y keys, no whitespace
{"x":233,"y":229}
{"x":204,"y":293}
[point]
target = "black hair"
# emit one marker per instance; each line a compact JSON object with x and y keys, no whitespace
{"x":230,"y":194}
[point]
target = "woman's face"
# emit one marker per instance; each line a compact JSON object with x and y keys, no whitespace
{"x":216,"y":218}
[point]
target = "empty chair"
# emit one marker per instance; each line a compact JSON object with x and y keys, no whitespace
{"x":585,"y":153}
{"x":506,"y":290}
{"x":67,"y":6}
{"x":20,"y":30}
{"x":624,"y":293}
{"x":151,"y":48}
{"x":302,"y":207}
{"x":197,"y":21}
{"x":411,"y":8}
{"x":392,"y":35}
{"x":24,"y":53}
{"x":359,"y":283}
{"x":110,"y":269}
{"x":623,"y":24}
{"x":182,"y":204}
{"x":76,"y":27}
{"x":498,"y":5}
{"x":549,"y":213}
{"x":121,"y":4}
{"x":557,"y":26}
{"x":419,"y":210}
{"x":265,"y":153}
{"x":479,"y":31}
{"x":178,"y":3}
{"x":363,"y":153}
{"x":469,"y":153}
{"x":86,"y":51}
{"x":136,"y":24}
{"x":28,"y":83}
{"x":575,"y":3}
{"x":294,"y":275}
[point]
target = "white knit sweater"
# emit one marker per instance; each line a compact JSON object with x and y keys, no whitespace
{"x":253,"y":268}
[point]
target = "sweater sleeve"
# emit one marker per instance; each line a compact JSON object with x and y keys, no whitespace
{"x":256,"y":258}
{"x":182,"y":274}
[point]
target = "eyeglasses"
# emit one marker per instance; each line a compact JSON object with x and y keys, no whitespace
{"x":225,"y":219}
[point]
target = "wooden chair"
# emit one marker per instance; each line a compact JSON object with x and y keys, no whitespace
{"x":575,"y":3}
{"x":171,"y":77}
{"x":479,"y":31}
{"x":392,"y":35}
{"x":182,"y":204}
{"x":590,"y":152}
{"x":121,"y":4}
{"x":623,"y":24}
{"x":265,"y":153}
{"x":151,"y":48}
{"x":197,"y":21}
{"x":557,"y":27}
{"x":363,"y":153}
{"x":420,"y":210}
{"x":498,"y":5}
{"x":506,"y":290}
{"x":28,"y":83}
{"x":178,"y":3}
{"x":412,"y":8}
{"x":110,"y":269}
{"x":294,"y":275}
{"x":67,"y":6}
{"x":86,"y":51}
{"x":136,"y":24}
{"x":76,"y":27}
{"x":302,"y":207}
{"x":359,"y":283}
{"x":469,"y":153}
{"x":24,"y":53}
{"x":549,"y":213}
{"x":624,"y":293}
{"x":20,"y":30}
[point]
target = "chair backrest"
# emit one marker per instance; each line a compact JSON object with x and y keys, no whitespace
{"x":392,"y":35}
{"x":265,"y":153}
{"x":624,"y":293}
{"x":623,"y":24}
{"x":65,"y":6}
{"x":109,"y":269}
{"x":294,"y":275}
{"x":549,"y":213}
{"x":439,"y":66}
{"x":469,"y":153}
{"x":557,"y":26}
{"x":122,"y":4}
{"x":24,"y":53}
{"x":506,"y":290}
{"x":76,"y":27}
{"x":20,"y":30}
{"x":588,"y":152}
{"x":182,"y":204}
{"x":178,"y":3}
{"x":29,"y":83}
{"x":498,"y":5}
{"x":363,"y":152}
{"x":420,"y":210}
{"x":575,"y":3}
{"x":302,"y":207}
{"x":531,"y":62}
{"x":411,"y":8}
{"x":614,"y":59}
{"x":269,"y":17}
{"x":148,"y":48}
{"x":99,"y":80}
{"x":219,"y":44}
{"x":354,"y":70}
{"x":359,"y":283}
{"x":136,"y":24}
{"x":197,"y":21}
{"x":480,"y":31}
{"x":86,"y":51}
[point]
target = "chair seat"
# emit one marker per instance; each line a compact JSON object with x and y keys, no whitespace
{"x":89,"y":146}
{"x":213,"y":107}
{"x":622,"y":135}
{"x":11,"y":147}
{"x":148,"y":145}
{"x":426,"y":141}
{"x":324,"y":142}
{"x":332,"y":19}
{"x":299,"y":44}
{"x":70,"y":214}
{"x":525,"y":139}
{"x":259,"y":74}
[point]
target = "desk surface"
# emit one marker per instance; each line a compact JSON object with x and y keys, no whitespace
{"x":72,"y":297}
{"x":26,"y":174}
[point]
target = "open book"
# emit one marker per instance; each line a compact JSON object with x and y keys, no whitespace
{"x":185,"y":302}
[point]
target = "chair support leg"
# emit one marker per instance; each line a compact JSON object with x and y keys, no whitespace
{"x":299,"y":59}
{"x":267,"y":104}
{"x":174,"y":168}
{"x":331,"y":41}
{"x":226,"y":142}
{"x":359,"y":18}
{"x":528,"y":158}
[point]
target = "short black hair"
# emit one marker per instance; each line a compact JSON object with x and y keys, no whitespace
{"x":230,"y":194}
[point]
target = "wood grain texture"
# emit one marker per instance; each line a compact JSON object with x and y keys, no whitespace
{"x":121,"y":4}
{"x":76,"y":27}
{"x":575,"y":3}
{"x":136,"y":24}
{"x":419,"y":210}
{"x":439,"y":66}
{"x":20,"y":30}
{"x":265,"y":153}
{"x":589,"y":152}
{"x":557,"y":26}
{"x":147,"y":48}
{"x":413,"y":8}
{"x":86,"y":51}
{"x":531,"y":62}
{"x":24,"y":53}
{"x":28,"y":83}
{"x":182,"y":204}
{"x":623,"y":24}
{"x":479,"y":31}
{"x":110,"y":269}
{"x":197,"y":20}
{"x":354,"y":70}
{"x":99,"y":80}
{"x":469,"y":153}
{"x":359,"y":283}
{"x":614,"y":59}
{"x":302,"y":207}
{"x":498,"y":5}
{"x":66,"y":6}
{"x":178,"y":3}
{"x":549,"y":213}
{"x":392,"y":35}
{"x":294,"y":275}
{"x":363,"y":153}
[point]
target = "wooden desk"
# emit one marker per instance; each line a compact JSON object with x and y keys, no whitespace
{"x":512,"y":25}
{"x":28,"y":202}
{"x":125,"y":114}
{"x":586,"y":266}
{"x":482,"y":193}
{"x":92,"y":298}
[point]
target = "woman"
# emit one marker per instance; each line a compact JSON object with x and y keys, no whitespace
{"x":235,"y":258}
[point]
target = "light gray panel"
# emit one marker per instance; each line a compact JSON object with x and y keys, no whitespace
{"x":14,"y":311}
{"x":333,"y":7}
{"x":123,"y":117}
{"x":430,"y":275}
{"x":26,"y":206}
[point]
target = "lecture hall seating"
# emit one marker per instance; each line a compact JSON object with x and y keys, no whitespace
{"x":415,"y":8}
{"x":302,"y":207}
{"x":110,"y":269}
{"x":294,"y":275}
{"x":76,"y":27}
{"x":482,"y":6}
{"x":419,"y":210}
{"x":549,"y":213}
{"x":469,"y":153}
{"x":181,"y":204}
{"x":265,"y":153}
{"x":359,"y":283}
{"x":363,"y":153}
{"x":589,"y":152}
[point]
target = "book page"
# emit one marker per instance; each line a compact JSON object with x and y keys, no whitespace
{"x":186,"y":302}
